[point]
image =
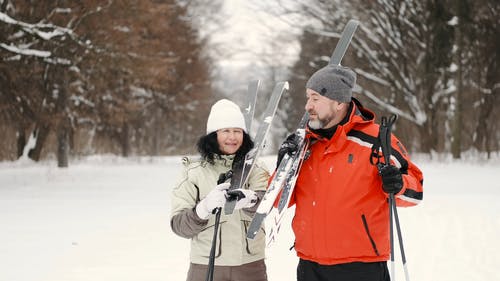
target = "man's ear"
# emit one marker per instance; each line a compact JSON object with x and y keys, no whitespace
{"x":341,"y":106}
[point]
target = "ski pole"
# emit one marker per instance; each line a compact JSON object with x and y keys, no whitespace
{"x":400,"y":238}
{"x":385,"y":143}
{"x":391,"y":235}
{"x":211,"y":260}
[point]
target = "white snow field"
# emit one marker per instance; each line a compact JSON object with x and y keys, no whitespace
{"x":107,"y":218}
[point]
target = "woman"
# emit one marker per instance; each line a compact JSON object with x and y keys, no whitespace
{"x":197,"y":194}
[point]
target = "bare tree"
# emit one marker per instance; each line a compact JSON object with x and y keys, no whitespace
{"x":34,"y":38}
{"x":105,"y":72}
{"x":484,"y":58}
{"x":421,"y":60}
{"x":401,"y":53}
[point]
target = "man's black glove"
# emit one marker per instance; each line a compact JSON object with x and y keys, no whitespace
{"x":289,"y":146}
{"x":392,"y":181}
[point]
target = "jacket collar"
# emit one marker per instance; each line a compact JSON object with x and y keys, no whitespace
{"x":224,"y":160}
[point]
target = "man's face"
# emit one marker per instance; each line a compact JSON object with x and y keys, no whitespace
{"x":323,"y":112}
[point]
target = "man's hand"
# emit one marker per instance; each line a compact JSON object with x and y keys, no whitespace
{"x":289,"y":146}
{"x":392,"y":180}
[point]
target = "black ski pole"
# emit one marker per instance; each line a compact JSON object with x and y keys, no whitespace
{"x":211,"y":260}
{"x":385,"y":143}
{"x":400,"y":239}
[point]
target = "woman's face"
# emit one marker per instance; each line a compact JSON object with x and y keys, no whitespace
{"x":229,"y":140}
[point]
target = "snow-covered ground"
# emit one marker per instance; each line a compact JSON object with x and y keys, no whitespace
{"x":107,"y":218}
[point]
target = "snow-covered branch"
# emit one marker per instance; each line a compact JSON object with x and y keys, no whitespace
{"x":418,"y":119}
{"x":24,"y":51}
{"x":38,"y":28}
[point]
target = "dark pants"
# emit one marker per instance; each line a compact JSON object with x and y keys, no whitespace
{"x":254,"y":271}
{"x":356,"y":271}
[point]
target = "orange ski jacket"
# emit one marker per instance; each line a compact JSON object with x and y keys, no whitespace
{"x":342,"y":213}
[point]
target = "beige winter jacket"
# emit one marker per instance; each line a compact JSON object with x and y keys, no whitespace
{"x":233,"y":248}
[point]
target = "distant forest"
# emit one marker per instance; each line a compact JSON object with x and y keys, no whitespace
{"x":138,"y":77}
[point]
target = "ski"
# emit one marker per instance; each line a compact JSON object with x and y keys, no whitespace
{"x":288,"y":188}
{"x":284,"y":178}
{"x":241,"y":171}
{"x":251,"y":100}
{"x":344,"y":42}
{"x":289,"y":168}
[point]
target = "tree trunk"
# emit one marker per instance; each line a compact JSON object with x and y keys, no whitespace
{"x":425,"y":139}
{"x":125,"y":140}
{"x":63,"y":144}
{"x":21,"y":141}
{"x":63,"y":125}
{"x":486,"y":126}
{"x":157,"y":133}
{"x":429,"y":131}
{"x":41,"y":132}
{"x":456,"y":142}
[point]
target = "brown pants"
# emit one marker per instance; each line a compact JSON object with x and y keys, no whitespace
{"x":254,"y":271}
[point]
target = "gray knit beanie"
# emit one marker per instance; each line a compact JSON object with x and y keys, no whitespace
{"x":334,"y":82}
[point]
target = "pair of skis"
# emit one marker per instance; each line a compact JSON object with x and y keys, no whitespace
{"x":243,"y":167}
{"x":283,"y":183}
{"x":287,"y":172}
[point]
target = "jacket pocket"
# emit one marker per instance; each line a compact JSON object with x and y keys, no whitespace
{"x":367,"y":230}
{"x":254,"y":246}
{"x":202,"y":243}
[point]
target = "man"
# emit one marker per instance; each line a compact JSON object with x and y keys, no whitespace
{"x":341,"y":221}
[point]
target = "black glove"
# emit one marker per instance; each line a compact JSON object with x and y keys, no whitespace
{"x":392,"y":181}
{"x":289,"y":146}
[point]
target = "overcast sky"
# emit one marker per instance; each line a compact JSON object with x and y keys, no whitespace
{"x":250,"y":32}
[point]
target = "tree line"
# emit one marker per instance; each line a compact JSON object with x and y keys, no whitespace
{"x":137,"y":78}
{"x":85,"y":77}
{"x":433,"y":63}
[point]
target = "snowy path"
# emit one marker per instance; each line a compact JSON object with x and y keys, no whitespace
{"x":107,"y":219}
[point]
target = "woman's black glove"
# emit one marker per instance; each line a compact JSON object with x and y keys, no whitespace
{"x":289,"y":146}
{"x":392,"y":180}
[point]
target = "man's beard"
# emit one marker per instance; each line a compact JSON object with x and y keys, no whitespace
{"x":315,"y":124}
{"x":319,"y":123}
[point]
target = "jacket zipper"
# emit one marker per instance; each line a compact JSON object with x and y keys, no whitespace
{"x":365,"y":224}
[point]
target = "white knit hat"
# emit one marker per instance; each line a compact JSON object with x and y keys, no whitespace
{"x":225,"y":114}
